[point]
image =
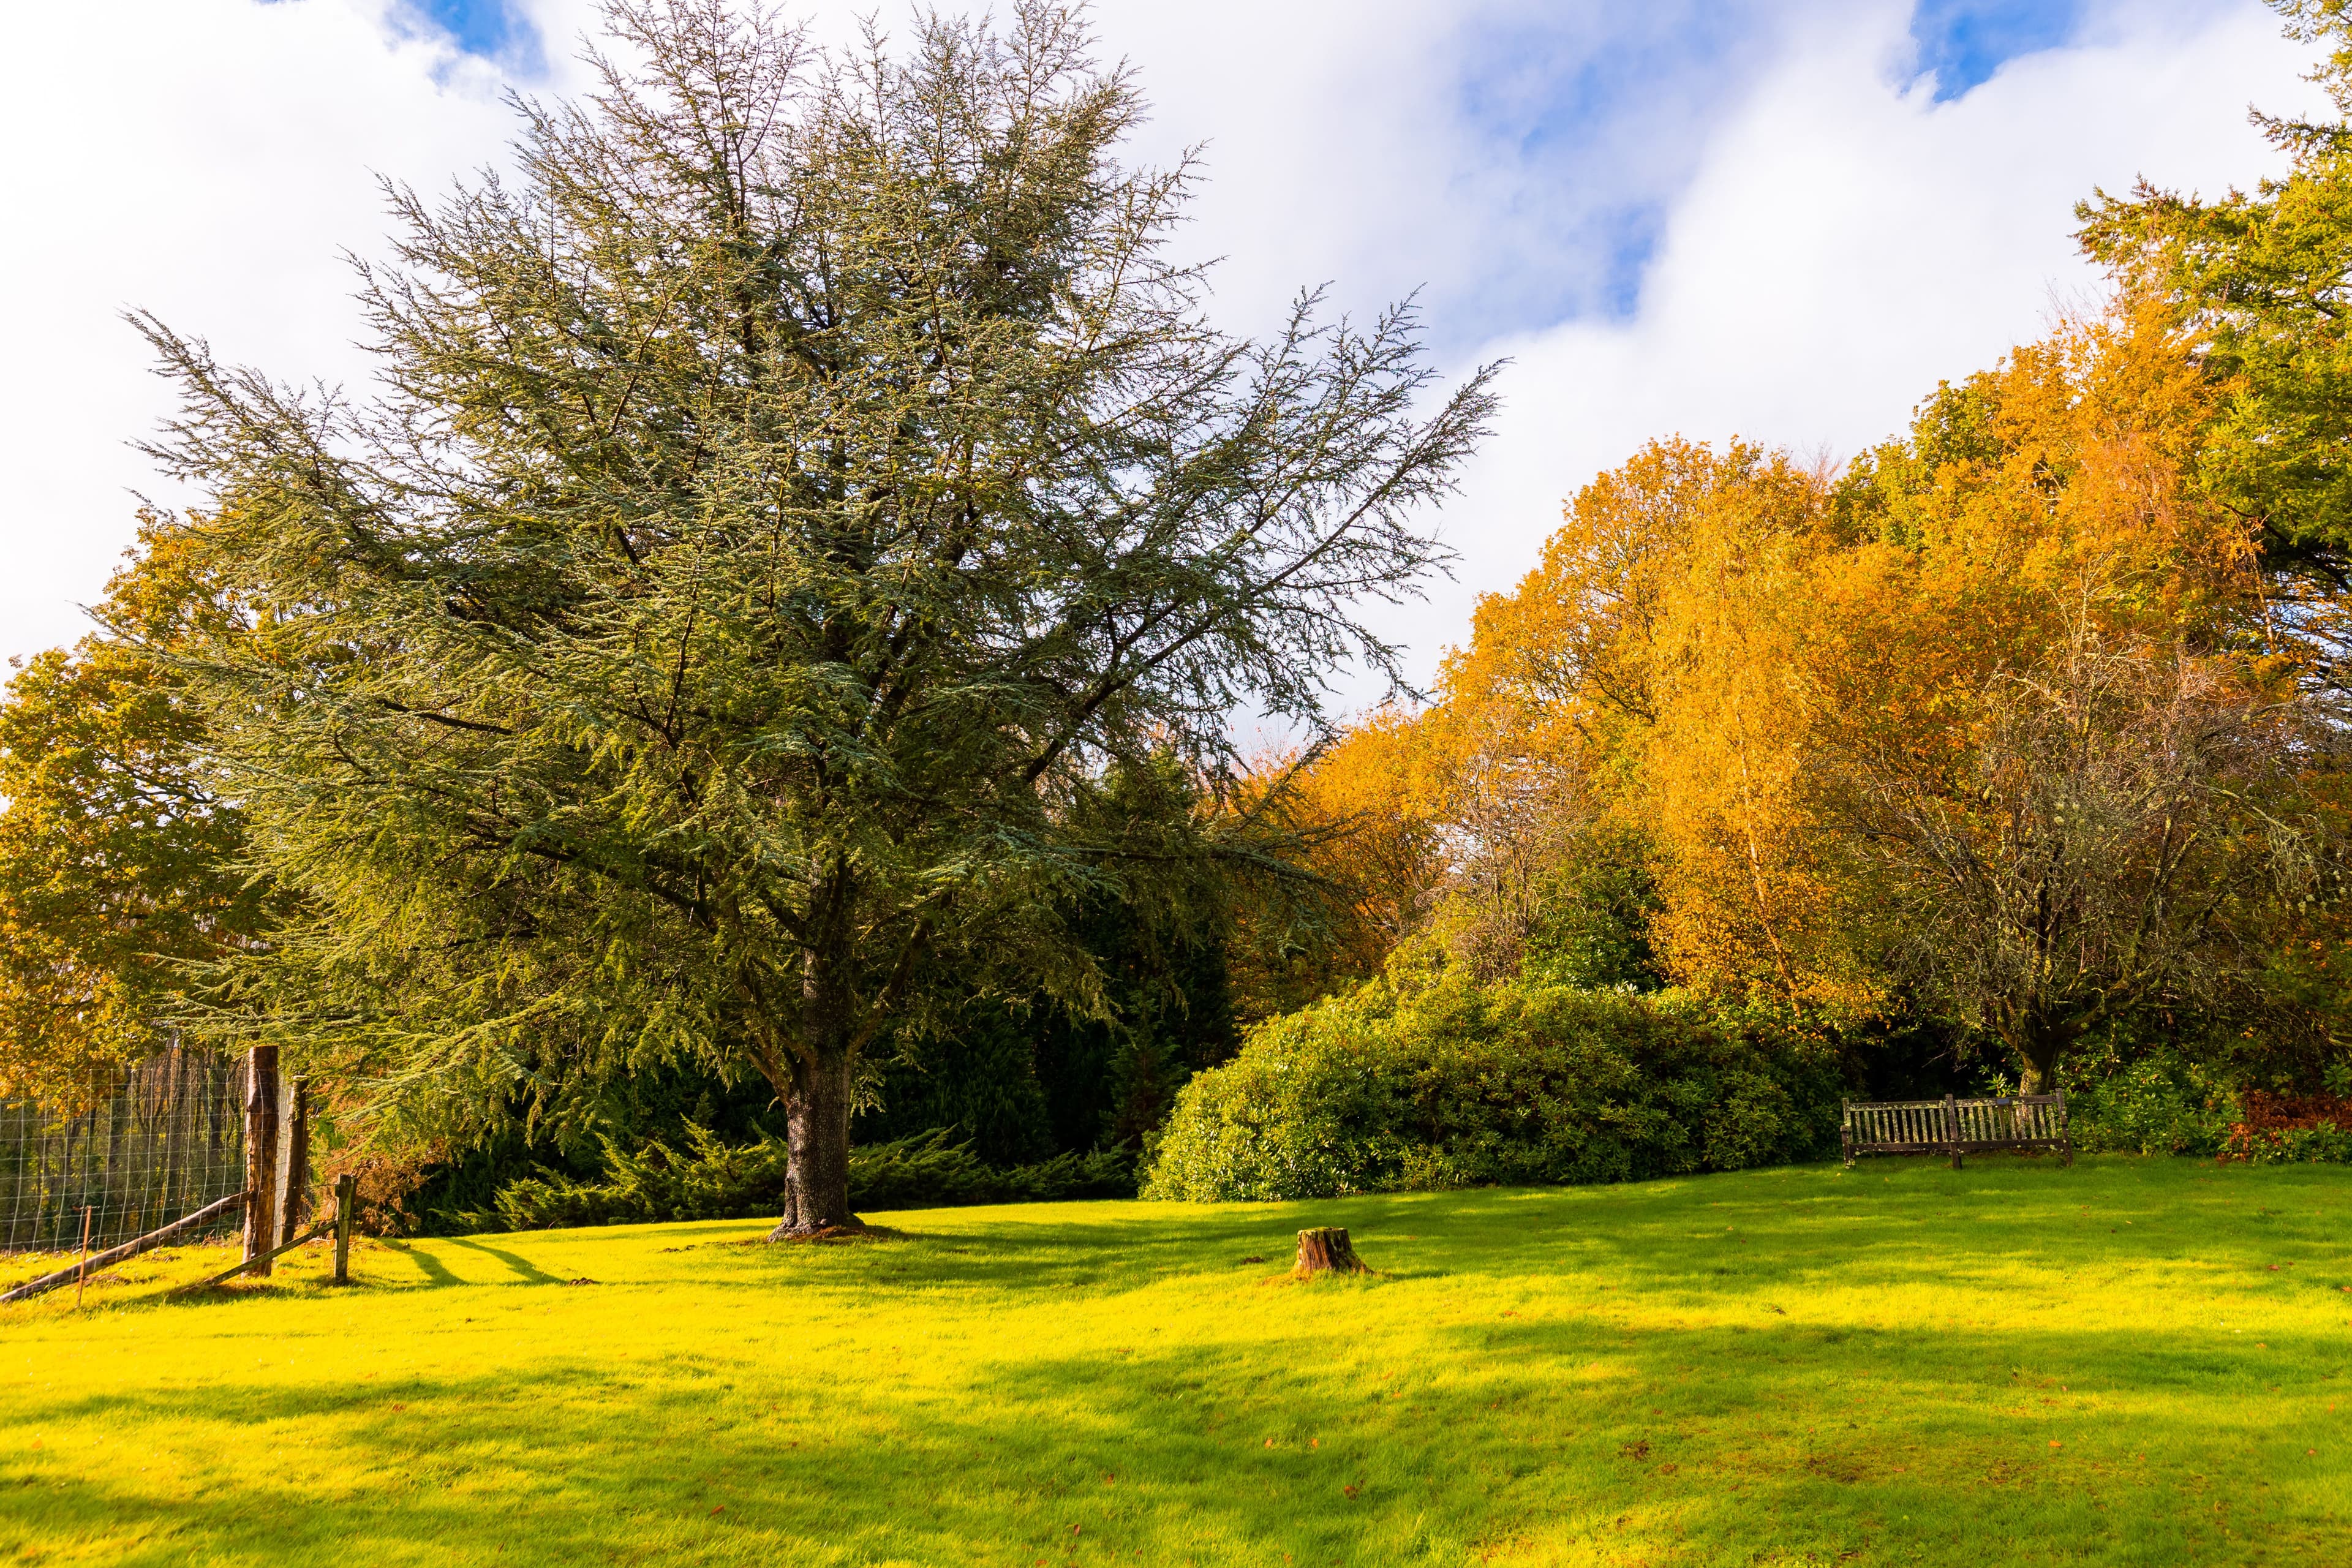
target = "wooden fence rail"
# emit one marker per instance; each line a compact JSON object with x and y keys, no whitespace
{"x":178,"y":1230}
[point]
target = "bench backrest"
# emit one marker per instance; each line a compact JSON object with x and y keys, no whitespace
{"x":1954,"y":1126}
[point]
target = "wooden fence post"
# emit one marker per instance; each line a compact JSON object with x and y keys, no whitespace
{"x":347,"y":1203}
{"x":294,"y":1204}
{"x":260,"y":1156}
{"x":1952,"y":1130}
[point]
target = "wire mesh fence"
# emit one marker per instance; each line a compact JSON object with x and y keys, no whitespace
{"x":170,"y":1139}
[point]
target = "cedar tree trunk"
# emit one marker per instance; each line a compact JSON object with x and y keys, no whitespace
{"x":816,"y":1130}
{"x":816,"y":1096}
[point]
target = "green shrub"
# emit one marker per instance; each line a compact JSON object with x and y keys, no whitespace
{"x":717,"y":1180}
{"x":927,"y":1171}
{"x":1463,"y":1085}
{"x":2162,"y":1103}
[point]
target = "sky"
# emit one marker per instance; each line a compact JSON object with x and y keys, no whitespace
{"x":1780,"y":219}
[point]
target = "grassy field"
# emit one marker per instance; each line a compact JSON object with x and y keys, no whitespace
{"x":2129,"y":1361}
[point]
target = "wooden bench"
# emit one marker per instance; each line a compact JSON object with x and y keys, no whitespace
{"x":1955,"y":1126}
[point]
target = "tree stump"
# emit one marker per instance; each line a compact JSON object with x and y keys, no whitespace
{"x":1326,"y":1250}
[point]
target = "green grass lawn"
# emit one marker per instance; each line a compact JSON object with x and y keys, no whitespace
{"x":2127,"y":1362}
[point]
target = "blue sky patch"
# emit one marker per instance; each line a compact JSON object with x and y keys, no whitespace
{"x":1963,"y":42}
{"x":1635,"y":235}
{"x":1593,"y":117}
{"x":493,"y":29}
{"x":481,"y":26}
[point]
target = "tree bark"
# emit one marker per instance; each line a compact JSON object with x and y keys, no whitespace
{"x":1326,"y":1251}
{"x":816,"y":1132}
{"x":2041,"y":1065}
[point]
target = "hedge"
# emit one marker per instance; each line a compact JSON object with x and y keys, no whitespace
{"x":1463,"y":1085}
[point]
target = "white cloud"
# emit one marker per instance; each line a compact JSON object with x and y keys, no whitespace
{"x":204,"y":159}
{"x":1845,"y":244}
{"x":1832,"y":243}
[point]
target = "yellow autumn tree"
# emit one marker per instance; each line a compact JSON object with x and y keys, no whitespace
{"x":1637,"y":687}
{"x":1997,"y":725}
{"x":2058,"y":742}
{"x":120,"y":861}
{"x":1365,"y":819}
{"x":1720,"y":771}
{"x":1858,"y":729}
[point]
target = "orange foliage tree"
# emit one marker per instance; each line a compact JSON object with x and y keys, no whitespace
{"x":1995,"y":722}
{"x":1360,"y":819}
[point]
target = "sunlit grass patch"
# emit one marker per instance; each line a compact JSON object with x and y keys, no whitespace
{"x":2129,"y":1361}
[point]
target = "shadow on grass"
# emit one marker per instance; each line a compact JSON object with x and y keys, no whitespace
{"x":1779,"y":1237}
{"x":1333,"y":1449}
{"x":1787,"y":1231}
{"x":524,"y":1270}
{"x":435,"y":1271}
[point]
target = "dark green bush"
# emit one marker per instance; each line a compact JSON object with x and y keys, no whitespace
{"x":2162,"y":1103}
{"x":1464,"y":1085}
{"x":716,"y":1180}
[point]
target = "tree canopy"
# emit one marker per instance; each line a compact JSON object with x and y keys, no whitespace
{"x":120,"y":861}
{"x":1994,"y":726}
{"x":781,"y":498}
{"x":784,"y":615}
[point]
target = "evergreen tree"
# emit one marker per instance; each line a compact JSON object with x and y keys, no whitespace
{"x":786,"y":497}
